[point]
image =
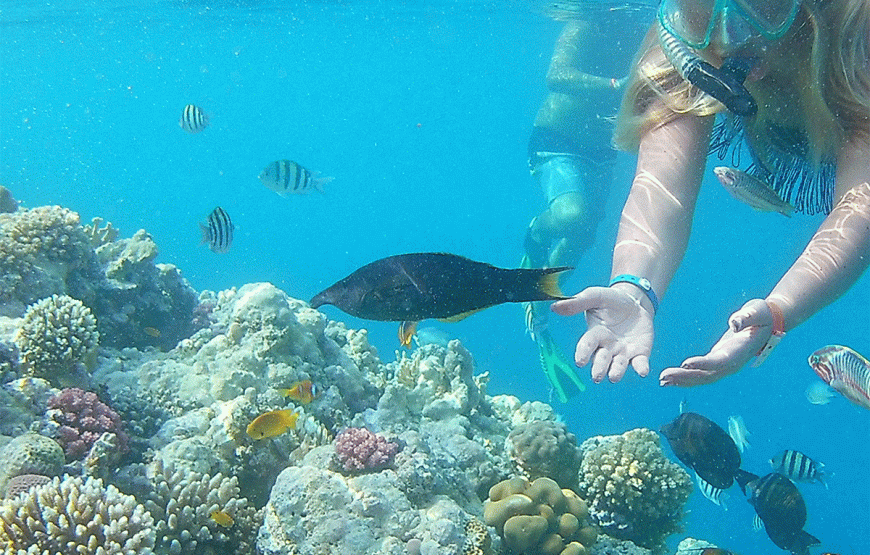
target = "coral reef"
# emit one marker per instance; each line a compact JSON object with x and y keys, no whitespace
{"x":30,"y":454}
{"x":546,"y":448}
{"x":58,"y":339}
{"x":539,"y":518}
{"x":7,"y":202}
{"x":23,"y":483}
{"x":634,"y":492}
{"x":82,"y":419}
{"x":360,"y":450}
{"x":72,"y":516}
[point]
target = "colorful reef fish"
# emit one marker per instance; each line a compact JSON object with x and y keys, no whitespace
{"x":286,"y":177}
{"x":781,"y":509}
{"x":844,"y":370}
{"x":413,"y":287}
{"x":193,"y":119}
{"x":217,"y":230}
{"x":407,"y":329}
{"x":222,"y":518}
{"x":753,"y":191}
{"x":798,"y":467}
{"x":273,"y":423}
{"x":705,"y":447}
{"x":302,"y":392}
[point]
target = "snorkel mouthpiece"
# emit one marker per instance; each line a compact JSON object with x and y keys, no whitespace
{"x":725,"y":84}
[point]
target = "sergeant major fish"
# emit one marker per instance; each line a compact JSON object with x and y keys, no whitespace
{"x":193,"y":119}
{"x":844,"y":370}
{"x":798,"y":467}
{"x":752,"y":190}
{"x":286,"y":177}
{"x":217,"y":230}
{"x":417,"y":286}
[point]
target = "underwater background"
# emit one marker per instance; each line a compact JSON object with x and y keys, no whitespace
{"x":421,"y":111}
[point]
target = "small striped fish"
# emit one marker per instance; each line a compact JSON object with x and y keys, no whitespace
{"x":712,"y":493}
{"x":217,"y":230}
{"x":751,"y":190}
{"x":738,"y":432}
{"x":286,"y":177}
{"x":798,"y":467}
{"x":844,"y":370}
{"x":193,"y":119}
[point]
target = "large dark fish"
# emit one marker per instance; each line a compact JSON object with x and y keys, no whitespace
{"x":705,"y":447}
{"x":417,"y":286}
{"x":781,"y":509}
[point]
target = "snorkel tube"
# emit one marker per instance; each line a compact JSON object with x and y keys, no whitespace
{"x":725,"y":84}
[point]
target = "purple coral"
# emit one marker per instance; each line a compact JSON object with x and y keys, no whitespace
{"x":83,"y":418}
{"x":360,"y":450}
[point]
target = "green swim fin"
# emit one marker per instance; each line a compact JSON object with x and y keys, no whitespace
{"x":554,"y":363}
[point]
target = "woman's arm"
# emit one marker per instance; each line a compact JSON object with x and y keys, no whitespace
{"x":839,"y":252}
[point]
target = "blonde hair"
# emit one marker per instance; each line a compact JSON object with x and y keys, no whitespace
{"x":827,"y":99}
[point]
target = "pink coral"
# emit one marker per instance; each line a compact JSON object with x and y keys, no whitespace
{"x":360,"y":450}
{"x":83,"y":418}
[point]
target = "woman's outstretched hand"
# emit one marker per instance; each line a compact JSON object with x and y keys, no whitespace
{"x":620,"y":332}
{"x":749,"y":329}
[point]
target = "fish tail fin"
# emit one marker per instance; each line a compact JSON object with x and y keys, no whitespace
{"x":204,"y":231}
{"x":319,"y":182}
{"x":744,"y":478}
{"x":548,"y":284}
{"x":802,"y":542}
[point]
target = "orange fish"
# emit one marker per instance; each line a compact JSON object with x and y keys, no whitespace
{"x":407,"y":329}
{"x":222,"y":518}
{"x":272,"y":423}
{"x":302,"y":392}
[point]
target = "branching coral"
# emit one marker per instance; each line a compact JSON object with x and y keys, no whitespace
{"x":360,"y":450}
{"x":74,"y":516}
{"x":182,"y":502}
{"x":634,"y":491}
{"x":546,"y":448}
{"x":539,"y":518}
{"x":58,"y":335}
{"x":82,"y":419}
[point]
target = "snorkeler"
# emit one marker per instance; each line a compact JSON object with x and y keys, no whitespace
{"x":806,"y":66}
{"x":571,"y":159}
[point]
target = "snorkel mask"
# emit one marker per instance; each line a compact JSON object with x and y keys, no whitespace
{"x":686,"y":25}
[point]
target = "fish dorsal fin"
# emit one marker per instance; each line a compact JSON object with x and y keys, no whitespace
{"x":460,"y":316}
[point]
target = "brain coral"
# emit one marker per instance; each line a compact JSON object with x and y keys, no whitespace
{"x":539,"y":518}
{"x":546,"y":448}
{"x":30,"y":454}
{"x":634,"y":491}
{"x":73,"y":516}
{"x":58,"y":334}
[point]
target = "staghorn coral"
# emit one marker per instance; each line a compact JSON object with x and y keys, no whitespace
{"x":360,"y":450}
{"x":634,"y":491}
{"x":82,"y":418}
{"x":97,"y":235}
{"x":30,"y":454}
{"x":57,"y":337}
{"x":73,"y":516}
{"x":182,"y":502}
{"x":546,"y":448}
{"x":539,"y":518}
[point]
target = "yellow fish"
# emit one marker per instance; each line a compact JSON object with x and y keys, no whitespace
{"x":302,"y":392}
{"x":407,"y":329}
{"x":222,"y":518}
{"x":153,"y":332}
{"x":272,"y":423}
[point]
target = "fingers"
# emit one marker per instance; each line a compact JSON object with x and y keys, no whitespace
{"x":594,"y":339}
{"x":754,"y":313}
{"x":601,"y":364}
{"x":583,"y":301}
{"x":685,"y":377}
{"x":640,"y":364}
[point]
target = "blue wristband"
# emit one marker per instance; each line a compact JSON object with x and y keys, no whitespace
{"x":643,"y":284}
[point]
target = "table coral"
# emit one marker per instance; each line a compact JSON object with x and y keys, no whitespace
{"x":546,"y":448}
{"x":634,"y":491}
{"x":57,"y":338}
{"x":82,"y":419}
{"x":360,"y":450}
{"x":73,"y":516}
{"x":539,"y":517}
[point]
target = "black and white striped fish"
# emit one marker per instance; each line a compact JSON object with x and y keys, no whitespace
{"x":798,"y":467}
{"x":712,"y":493}
{"x":844,"y":370}
{"x":217,"y":230}
{"x":193,"y":119}
{"x":287,"y":177}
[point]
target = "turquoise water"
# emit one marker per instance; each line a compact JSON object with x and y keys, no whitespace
{"x":421,"y":113}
